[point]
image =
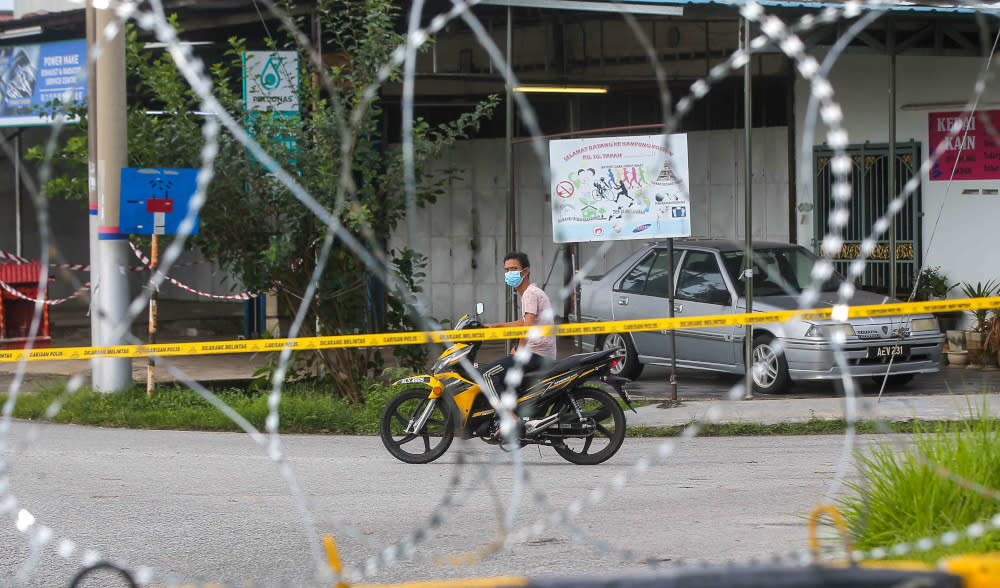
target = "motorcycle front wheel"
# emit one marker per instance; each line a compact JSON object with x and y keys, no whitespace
{"x":425,"y":445}
{"x":602,"y":426}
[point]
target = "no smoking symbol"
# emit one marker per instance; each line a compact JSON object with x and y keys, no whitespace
{"x":564,"y":189}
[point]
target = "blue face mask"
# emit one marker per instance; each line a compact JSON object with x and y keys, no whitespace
{"x":513,"y":279}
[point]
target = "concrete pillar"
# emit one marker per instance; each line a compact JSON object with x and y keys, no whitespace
{"x":107,"y":158}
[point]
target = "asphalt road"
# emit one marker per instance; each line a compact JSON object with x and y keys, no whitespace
{"x":212,"y":507}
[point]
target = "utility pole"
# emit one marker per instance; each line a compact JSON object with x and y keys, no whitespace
{"x":891,"y":171}
{"x":748,"y":210}
{"x":95,"y":321}
{"x":107,"y":156}
{"x":511,"y":207}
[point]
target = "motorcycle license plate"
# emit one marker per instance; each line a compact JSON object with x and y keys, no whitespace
{"x":886,"y":351}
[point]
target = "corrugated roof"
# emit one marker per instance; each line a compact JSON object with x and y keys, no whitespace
{"x":20,"y":273}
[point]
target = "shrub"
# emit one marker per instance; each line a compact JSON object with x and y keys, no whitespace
{"x":932,"y":284}
{"x":902,"y":498}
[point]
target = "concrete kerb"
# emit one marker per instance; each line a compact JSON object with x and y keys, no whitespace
{"x":802,"y":410}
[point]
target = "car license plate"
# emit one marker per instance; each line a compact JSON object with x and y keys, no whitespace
{"x":887,"y":351}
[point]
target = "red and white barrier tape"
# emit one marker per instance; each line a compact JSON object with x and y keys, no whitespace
{"x":18,"y":294}
{"x":11,"y":257}
{"x":85,"y":267}
{"x":148,"y":264}
{"x":70,"y":266}
{"x":82,"y":267}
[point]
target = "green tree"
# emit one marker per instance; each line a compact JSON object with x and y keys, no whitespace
{"x":252,"y":225}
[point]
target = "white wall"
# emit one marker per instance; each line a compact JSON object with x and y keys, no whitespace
{"x":716,"y":170}
{"x":957,"y":229}
{"x":462,"y":234}
{"x":23,"y":7}
{"x":460,"y":274}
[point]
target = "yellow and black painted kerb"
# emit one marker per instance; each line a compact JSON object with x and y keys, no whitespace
{"x":421,"y":337}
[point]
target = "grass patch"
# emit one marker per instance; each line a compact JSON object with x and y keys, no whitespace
{"x":900,"y":499}
{"x":306,"y":408}
{"x":303,"y":409}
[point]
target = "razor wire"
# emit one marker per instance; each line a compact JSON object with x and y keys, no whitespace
{"x":774,"y":31}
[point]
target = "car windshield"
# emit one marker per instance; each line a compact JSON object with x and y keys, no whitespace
{"x":777,"y":271}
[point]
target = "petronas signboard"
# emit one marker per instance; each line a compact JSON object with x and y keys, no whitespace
{"x":271,"y":81}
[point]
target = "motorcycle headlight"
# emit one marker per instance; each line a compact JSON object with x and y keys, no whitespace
{"x":830,"y":331}
{"x":450,"y":359}
{"x":924,"y":324}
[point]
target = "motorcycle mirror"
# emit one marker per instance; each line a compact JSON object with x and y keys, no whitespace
{"x":480,"y":307}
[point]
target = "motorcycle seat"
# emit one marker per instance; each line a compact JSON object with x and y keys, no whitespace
{"x":563,"y":365}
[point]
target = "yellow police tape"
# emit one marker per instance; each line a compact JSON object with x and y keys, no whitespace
{"x":566,"y":329}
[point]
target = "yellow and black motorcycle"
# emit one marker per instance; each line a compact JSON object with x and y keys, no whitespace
{"x":569,"y":406}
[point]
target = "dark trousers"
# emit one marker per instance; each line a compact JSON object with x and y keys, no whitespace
{"x":495,"y":372}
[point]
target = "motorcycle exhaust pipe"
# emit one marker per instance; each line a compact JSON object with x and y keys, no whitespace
{"x":532,"y":427}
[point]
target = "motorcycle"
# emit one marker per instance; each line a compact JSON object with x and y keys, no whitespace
{"x":569,"y":406}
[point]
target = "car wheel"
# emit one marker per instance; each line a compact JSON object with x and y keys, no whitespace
{"x":769,"y":368}
{"x":896,"y":381}
{"x":629,"y":367}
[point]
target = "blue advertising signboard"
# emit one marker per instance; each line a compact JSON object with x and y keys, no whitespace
{"x":155,"y":200}
{"x":32,"y":75}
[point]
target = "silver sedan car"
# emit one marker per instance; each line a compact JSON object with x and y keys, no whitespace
{"x":708,"y":278}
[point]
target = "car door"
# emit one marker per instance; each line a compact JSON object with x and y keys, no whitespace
{"x":703,"y":290}
{"x":642,"y":294}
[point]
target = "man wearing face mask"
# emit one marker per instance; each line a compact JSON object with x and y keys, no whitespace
{"x":535,"y":310}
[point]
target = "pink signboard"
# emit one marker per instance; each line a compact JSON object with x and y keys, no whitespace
{"x":972,"y":154}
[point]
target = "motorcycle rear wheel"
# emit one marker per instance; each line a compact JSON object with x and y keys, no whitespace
{"x":425,"y":445}
{"x":597,"y":404}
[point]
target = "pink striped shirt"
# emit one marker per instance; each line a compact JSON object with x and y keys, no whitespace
{"x":535,"y":301}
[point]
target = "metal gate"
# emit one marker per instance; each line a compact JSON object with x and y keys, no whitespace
{"x":870,"y":199}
